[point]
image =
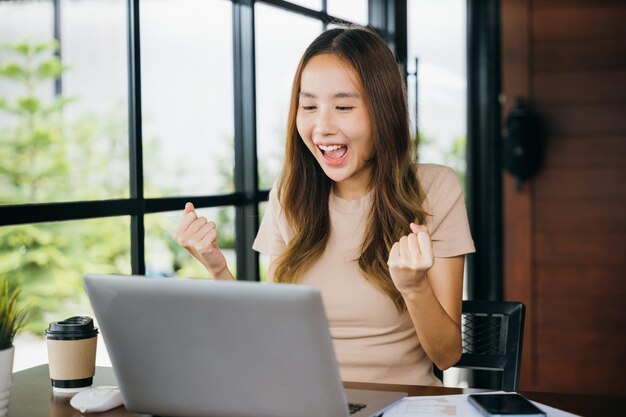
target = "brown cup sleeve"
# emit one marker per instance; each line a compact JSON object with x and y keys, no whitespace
{"x":72,"y":359}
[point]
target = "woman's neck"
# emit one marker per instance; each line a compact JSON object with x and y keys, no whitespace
{"x":348,"y":190}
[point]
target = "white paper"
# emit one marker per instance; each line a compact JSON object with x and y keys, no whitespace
{"x":451,"y":405}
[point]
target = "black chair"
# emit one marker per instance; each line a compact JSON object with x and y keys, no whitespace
{"x":492,"y":339}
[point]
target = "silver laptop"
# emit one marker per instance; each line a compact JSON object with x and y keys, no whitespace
{"x":184,"y":347}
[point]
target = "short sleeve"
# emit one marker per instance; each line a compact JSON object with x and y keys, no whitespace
{"x":447,"y":220}
{"x":269,"y":239}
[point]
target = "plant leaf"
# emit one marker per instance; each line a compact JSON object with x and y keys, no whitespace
{"x":52,"y":45}
{"x":30,"y":104}
{"x":22,"y":48}
{"x":12,"y":318}
{"x":51,"y":68}
{"x":12,"y":69}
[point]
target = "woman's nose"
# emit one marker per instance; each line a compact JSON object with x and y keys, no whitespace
{"x":324,"y":124}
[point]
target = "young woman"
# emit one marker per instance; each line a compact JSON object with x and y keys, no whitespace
{"x":382,"y":237}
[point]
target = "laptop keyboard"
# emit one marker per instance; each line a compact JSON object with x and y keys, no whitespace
{"x":355,"y":408}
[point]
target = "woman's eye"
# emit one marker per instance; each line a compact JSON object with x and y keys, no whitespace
{"x":308,"y":108}
{"x":344,"y":108}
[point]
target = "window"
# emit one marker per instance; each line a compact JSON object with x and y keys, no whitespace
{"x":130,"y":118}
{"x":275,"y":68}
{"x":354,"y":10}
{"x":436,"y":40}
{"x":187,"y":97}
{"x":311,"y":4}
{"x":63,"y":124}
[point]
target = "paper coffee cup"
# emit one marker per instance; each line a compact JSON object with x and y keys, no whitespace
{"x":72,"y":353}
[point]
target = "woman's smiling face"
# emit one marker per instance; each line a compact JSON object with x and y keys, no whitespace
{"x":334,"y":124}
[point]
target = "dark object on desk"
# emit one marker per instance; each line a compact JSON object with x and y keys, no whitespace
{"x":505,"y":405}
{"x":492,"y":339}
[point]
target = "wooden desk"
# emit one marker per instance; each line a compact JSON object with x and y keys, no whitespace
{"x":31,"y":396}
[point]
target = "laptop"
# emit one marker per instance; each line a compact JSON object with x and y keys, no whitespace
{"x":190,"y":347}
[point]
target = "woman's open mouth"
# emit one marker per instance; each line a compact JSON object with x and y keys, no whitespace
{"x":333,"y":154}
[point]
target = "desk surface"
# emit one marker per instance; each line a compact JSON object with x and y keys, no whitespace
{"x":31,"y":396}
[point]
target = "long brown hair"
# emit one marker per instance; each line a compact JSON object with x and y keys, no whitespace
{"x":397,"y":197}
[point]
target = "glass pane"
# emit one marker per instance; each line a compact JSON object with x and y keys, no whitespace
{"x":187,"y":97}
{"x":164,"y":257}
{"x":264,"y":259}
{"x":48,"y":261}
{"x":68,"y":140}
{"x":354,"y":10}
{"x":277,"y":58}
{"x":19,"y":21}
{"x":442,"y":79}
{"x":311,"y":4}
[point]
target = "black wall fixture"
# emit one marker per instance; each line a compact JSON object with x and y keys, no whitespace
{"x":522,"y":151}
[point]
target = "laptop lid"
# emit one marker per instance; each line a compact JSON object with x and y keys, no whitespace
{"x":183,"y":347}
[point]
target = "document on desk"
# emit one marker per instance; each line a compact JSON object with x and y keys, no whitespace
{"x":450,"y":406}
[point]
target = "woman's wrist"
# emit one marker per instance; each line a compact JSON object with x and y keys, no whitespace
{"x":221,"y":273}
{"x":415,"y":291}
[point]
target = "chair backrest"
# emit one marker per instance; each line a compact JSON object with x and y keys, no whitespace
{"x":492,"y":339}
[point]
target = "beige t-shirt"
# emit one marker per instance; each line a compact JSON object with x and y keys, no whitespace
{"x":373,"y":342}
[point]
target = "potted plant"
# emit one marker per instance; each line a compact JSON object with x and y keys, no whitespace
{"x":12,"y":319}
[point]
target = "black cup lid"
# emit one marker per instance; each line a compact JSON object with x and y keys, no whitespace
{"x":77,"y":327}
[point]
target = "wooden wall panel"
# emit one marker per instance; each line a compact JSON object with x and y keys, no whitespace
{"x":590,"y":216}
{"x":583,"y":119}
{"x":576,"y":278}
{"x":586,"y":346}
{"x":561,"y":4}
{"x":586,"y":152}
{"x":577,"y":23}
{"x":594,"y":355}
{"x":579,"y":87}
{"x":582,"y":55}
{"x":574,"y":76}
{"x":580,"y":185}
{"x":571,"y":314}
{"x":568,"y":247}
{"x":560,"y":375}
